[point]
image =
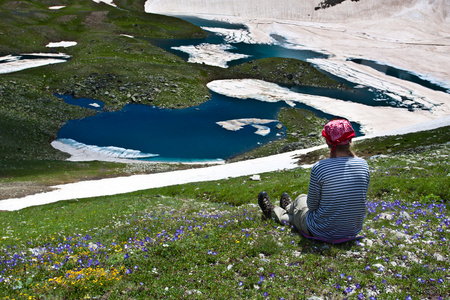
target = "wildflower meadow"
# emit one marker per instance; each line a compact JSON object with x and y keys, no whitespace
{"x":208,"y":241}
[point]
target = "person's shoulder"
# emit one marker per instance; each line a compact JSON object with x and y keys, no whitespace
{"x":360,"y":163}
{"x":359,"y":160}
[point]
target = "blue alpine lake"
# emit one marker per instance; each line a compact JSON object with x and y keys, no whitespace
{"x":189,"y":134}
{"x":193,"y":134}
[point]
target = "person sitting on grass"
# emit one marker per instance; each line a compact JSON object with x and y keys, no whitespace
{"x":335,"y":206}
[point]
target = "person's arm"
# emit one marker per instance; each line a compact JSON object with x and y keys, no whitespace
{"x":313,"y":199}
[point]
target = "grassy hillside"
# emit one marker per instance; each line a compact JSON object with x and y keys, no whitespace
{"x":208,"y":241}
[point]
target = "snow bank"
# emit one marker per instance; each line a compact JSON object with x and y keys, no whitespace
{"x":303,"y":10}
{"x":14,"y":63}
{"x":80,"y":151}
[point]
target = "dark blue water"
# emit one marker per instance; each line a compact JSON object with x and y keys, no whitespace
{"x":401,"y":74}
{"x":189,"y":134}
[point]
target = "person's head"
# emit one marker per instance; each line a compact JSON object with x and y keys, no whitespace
{"x":338,"y":134}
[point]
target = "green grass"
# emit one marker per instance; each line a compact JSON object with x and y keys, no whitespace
{"x":208,"y":240}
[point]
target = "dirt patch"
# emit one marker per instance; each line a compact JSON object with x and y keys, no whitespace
{"x":96,"y":19}
{"x":66,"y":19}
{"x":21,"y":189}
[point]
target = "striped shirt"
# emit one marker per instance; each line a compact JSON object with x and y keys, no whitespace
{"x":337,"y":197}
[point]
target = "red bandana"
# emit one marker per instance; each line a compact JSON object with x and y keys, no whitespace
{"x":338,"y":132}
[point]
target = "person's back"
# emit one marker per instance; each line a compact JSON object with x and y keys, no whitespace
{"x":337,"y":197}
{"x":335,"y":206}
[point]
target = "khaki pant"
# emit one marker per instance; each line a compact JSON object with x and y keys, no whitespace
{"x":295,"y":213}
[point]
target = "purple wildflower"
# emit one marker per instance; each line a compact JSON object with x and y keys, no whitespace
{"x":348,"y":290}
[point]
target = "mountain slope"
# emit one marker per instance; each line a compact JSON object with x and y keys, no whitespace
{"x":308,"y":10}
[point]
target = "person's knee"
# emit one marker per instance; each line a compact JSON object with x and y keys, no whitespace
{"x":301,"y":197}
{"x":301,"y":202}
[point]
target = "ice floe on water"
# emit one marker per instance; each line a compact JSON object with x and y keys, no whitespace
{"x":262,"y":130}
{"x":96,"y":105}
{"x":107,"y":151}
{"x":14,"y":63}
{"x":210,"y":54}
{"x":234,"y":35}
{"x":61,"y":44}
{"x":238,"y":124}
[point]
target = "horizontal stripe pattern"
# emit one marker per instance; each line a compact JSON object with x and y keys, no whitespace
{"x":337,"y":197}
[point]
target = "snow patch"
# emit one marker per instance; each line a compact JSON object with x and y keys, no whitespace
{"x":109,"y":2}
{"x":214,"y":55}
{"x":61,"y":44}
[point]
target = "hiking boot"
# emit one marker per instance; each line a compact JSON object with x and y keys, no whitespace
{"x":285,"y":200}
{"x":265,"y":204}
